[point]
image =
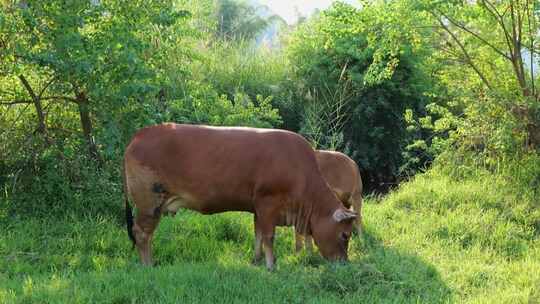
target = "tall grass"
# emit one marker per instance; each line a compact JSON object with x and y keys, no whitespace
{"x":233,"y":68}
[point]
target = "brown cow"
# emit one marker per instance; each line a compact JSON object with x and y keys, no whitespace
{"x":343,"y":176}
{"x":218,"y":169}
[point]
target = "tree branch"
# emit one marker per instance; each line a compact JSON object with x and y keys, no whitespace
{"x":66,"y":98}
{"x":27,"y":101}
{"x":42,"y":128}
{"x":519,"y":16}
{"x":517,"y":60}
{"x":515,"y":38}
{"x":19,"y":116}
{"x":465,"y":53}
{"x":46,"y":86}
{"x":493,"y":9}
{"x":477,"y":36}
{"x":18,"y":101}
{"x":500,"y":19}
{"x":531,"y":51}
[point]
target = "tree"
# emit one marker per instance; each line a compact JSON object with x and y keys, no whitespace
{"x":241,"y":20}
{"x":498,"y":41}
{"x":90,"y":54}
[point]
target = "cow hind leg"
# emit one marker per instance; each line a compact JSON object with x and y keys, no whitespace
{"x":145,"y":225}
{"x":148,"y":195}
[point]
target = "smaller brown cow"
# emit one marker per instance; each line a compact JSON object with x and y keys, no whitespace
{"x":343,"y":176}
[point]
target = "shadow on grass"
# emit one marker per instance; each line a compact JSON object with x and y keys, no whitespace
{"x":379,"y":272}
{"x":376,"y":273}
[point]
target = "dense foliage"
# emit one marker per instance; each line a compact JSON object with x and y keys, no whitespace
{"x":359,"y":75}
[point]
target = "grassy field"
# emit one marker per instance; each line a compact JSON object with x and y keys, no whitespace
{"x":435,"y":240}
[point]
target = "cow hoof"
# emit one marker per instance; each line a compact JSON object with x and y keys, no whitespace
{"x":271,"y":266}
{"x":256,"y":261}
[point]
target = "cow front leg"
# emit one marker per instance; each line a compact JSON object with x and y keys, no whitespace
{"x":268,"y":241}
{"x":356,"y":203}
{"x":144,"y":227}
{"x":265,"y":228}
{"x":299,"y":239}
{"x":258,"y":242}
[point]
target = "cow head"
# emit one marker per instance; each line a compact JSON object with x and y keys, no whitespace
{"x":332,"y":233}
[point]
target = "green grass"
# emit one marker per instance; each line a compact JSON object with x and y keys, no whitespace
{"x":435,"y":240}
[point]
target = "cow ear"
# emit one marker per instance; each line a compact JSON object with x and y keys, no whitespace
{"x":342,"y":214}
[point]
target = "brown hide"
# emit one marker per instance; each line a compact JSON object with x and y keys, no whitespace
{"x":343,"y":176}
{"x":217,"y":169}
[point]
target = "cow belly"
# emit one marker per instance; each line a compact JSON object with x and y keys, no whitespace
{"x":176,"y":202}
{"x":224,"y":206}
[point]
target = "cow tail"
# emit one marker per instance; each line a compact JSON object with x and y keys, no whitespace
{"x":129,"y":213}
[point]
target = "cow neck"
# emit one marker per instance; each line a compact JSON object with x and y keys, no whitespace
{"x":324,"y":202}
{"x":302,"y":215}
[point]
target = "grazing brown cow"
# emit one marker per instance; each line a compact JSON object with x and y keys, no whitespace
{"x":218,"y":169}
{"x":343,"y":176}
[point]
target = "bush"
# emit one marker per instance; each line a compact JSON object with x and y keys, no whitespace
{"x":62,"y":187}
{"x":358,"y":82}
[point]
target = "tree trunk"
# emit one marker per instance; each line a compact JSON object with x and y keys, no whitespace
{"x":36,"y":100}
{"x":533,"y":131}
{"x":86,"y":123}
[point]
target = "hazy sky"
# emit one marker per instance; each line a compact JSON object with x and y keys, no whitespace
{"x":288,"y":9}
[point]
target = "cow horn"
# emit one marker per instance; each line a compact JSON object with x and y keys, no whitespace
{"x":343,"y":214}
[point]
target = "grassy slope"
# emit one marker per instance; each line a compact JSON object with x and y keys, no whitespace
{"x":434,"y":240}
